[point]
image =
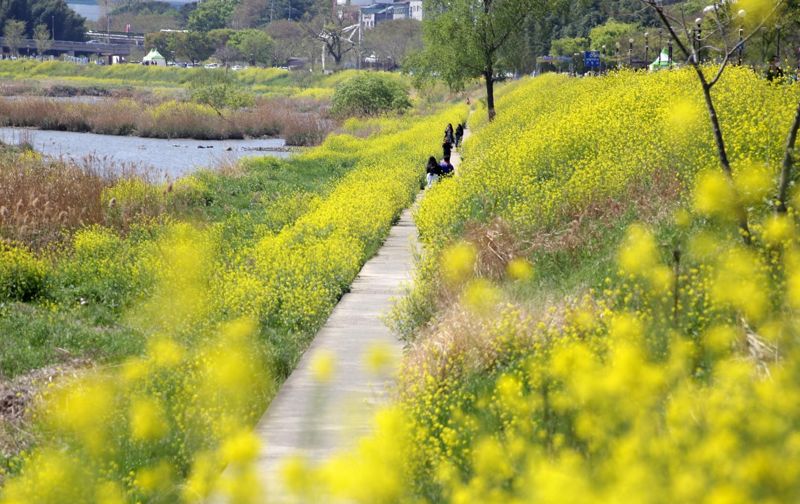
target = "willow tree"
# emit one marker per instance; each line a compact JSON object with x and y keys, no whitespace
{"x":468,"y":39}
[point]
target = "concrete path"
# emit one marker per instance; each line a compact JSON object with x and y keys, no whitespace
{"x":316,"y":418}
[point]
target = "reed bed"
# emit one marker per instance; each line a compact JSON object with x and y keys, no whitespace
{"x":43,"y":201}
{"x":299,"y":121}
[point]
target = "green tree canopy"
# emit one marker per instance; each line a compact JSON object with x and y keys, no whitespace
{"x":211,"y":14}
{"x":13,"y":33}
{"x":611,"y":32}
{"x":255,"y":46}
{"x":55,"y":14}
{"x":467,"y":39}
{"x":568,"y":46}
{"x":193,"y":46}
{"x":42,"y":36}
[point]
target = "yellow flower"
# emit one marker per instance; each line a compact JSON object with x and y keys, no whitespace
{"x":520,"y":269}
{"x":458,"y":262}
{"x":323,"y":365}
{"x":241,"y":448}
{"x":715,"y":196}
{"x":147,"y":420}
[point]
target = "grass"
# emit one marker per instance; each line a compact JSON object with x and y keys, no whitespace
{"x":79,"y":311}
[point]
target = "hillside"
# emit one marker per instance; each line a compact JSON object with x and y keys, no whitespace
{"x":587,"y":324}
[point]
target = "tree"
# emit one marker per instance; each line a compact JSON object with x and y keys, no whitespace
{"x":721,"y":36}
{"x":66,"y":23}
{"x":334,"y":27}
{"x":193,"y":46}
{"x":465,"y":39}
{"x":42,"y":36}
{"x":369,"y":94}
{"x":611,"y":32}
{"x":13,"y":33}
{"x":254,"y":45}
{"x":568,"y":46}
{"x":290,"y":39}
{"x":395,"y":39}
{"x":163,"y":42}
{"x":211,"y":14}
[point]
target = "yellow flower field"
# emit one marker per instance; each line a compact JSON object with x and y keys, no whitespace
{"x":669,"y":376}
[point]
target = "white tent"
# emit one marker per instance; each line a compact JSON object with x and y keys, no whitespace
{"x":661,"y":62}
{"x":154,"y":58}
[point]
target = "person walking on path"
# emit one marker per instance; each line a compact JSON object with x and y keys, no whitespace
{"x":446,"y":169}
{"x":449,"y":137}
{"x":459,"y":134}
{"x":447,"y":148}
{"x":433,"y":171}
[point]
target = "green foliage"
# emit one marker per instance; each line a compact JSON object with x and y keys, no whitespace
{"x":220,"y":90}
{"x":193,"y":46}
{"x":610,"y":33}
{"x":568,"y":46}
{"x":13,"y":33}
{"x":469,"y":39}
{"x":22,"y":276}
{"x":369,"y":94}
{"x":255,"y":46}
{"x":211,"y":15}
{"x":55,"y":14}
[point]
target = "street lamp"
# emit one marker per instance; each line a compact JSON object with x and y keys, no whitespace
{"x":602,"y":60}
{"x":660,"y":33}
{"x":630,"y":52}
{"x":698,"y":35}
{"x":741,"y":45}
{"x":669,"y":52}
{"x":646,"y":47}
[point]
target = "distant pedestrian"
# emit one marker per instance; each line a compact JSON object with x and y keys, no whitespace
{"x":447,"y":147}
{"x":446,"y":168}
{"x":449,"y":136}
{"x":459,"y":134}
{"x":433,"y":171}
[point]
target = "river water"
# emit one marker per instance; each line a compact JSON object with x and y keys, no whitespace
{"x":171,"y":157}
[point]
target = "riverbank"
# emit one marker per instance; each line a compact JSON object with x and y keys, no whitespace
{"x":164,"y":159}
{"x":300,"y":122}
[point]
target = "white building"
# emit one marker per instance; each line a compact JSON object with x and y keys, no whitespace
{"x":373,"y":15}
{"x":415,"y":8}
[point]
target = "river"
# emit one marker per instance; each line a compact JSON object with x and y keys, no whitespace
{"x":172,"y":157}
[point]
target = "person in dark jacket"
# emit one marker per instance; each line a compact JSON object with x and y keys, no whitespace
{"x":433,"y":171}
{"x":459,"y":134}
{"x":446,"y":168}
{"x":449,"y":136}
{"x":447,"y":148}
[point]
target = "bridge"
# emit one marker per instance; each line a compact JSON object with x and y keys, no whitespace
{"x":113,"y":37}
{"x":72,"y":48}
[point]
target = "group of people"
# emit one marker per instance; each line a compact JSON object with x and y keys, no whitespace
{"x":452,"y":139}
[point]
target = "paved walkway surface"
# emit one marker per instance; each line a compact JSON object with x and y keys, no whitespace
{"x":316,"y":419}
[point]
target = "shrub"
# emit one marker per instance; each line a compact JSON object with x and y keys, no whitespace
{"x":369,"y":94}
{"x":22,"y":276}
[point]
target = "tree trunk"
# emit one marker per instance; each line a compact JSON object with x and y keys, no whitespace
{"x":722,"y":153}
{"x":788,"y":162}
{"x":489,"y":77}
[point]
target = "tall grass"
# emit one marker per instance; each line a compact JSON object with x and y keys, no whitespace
{"x":302,"y":121}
